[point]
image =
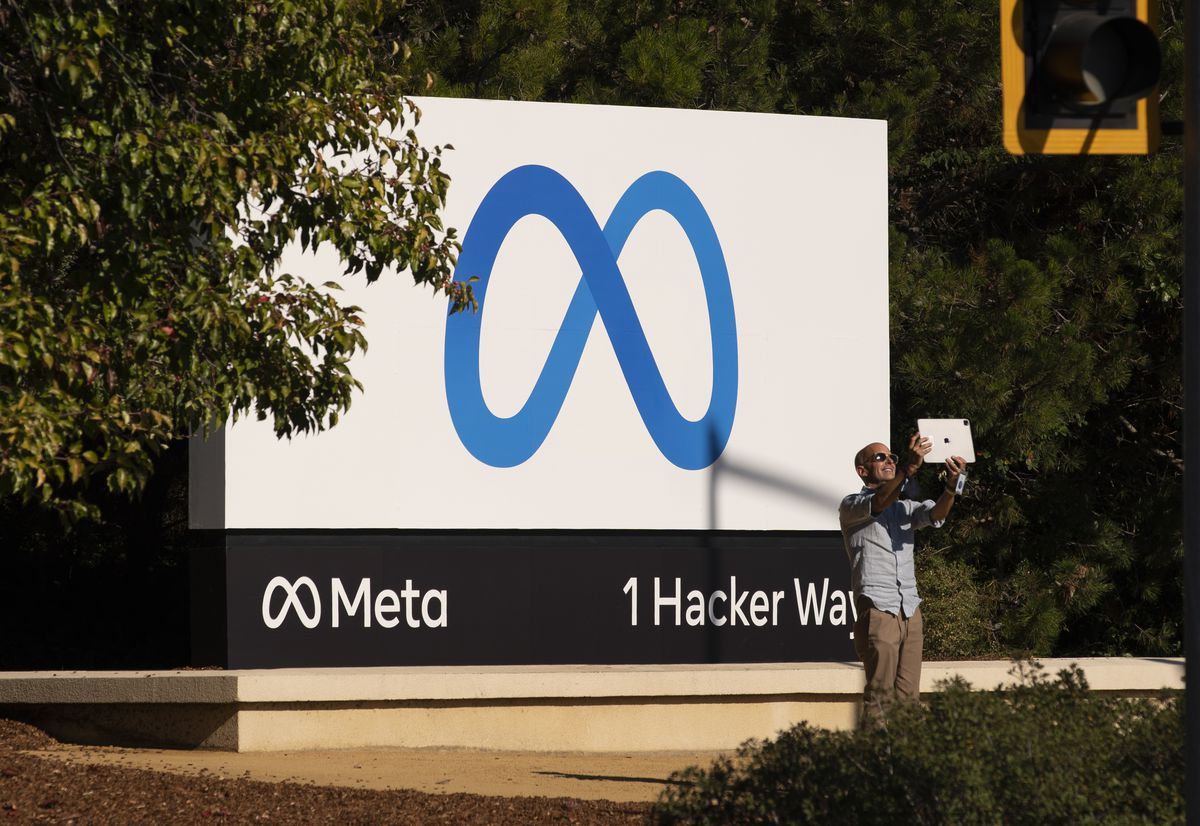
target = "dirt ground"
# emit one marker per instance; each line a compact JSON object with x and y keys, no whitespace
{"x":42,"y":780}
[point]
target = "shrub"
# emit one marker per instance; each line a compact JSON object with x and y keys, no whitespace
{"x":959,"y":613}
{"x":1040,"y":751}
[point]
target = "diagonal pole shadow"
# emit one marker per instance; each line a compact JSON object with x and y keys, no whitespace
{"x":616,"y":778}
{"x":725,"y":466}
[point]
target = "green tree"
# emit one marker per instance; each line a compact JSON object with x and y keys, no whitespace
{"x":155,"y":160}
{"x":1037,"y":295}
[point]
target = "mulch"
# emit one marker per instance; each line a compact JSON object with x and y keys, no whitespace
{"x":38,"y":790}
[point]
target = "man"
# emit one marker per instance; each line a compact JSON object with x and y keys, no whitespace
{"x":877,"y":530}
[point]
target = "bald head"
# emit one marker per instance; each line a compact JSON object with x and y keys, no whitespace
{"x":860,"y":458}
{"x":875,"y":464}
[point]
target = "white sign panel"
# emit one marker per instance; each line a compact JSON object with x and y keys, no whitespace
{"x":683,"y":325}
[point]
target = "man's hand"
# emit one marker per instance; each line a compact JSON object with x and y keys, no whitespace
{"x":918,"y":446}
{"x":955,"y":467}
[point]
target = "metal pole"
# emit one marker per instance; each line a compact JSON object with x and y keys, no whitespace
{"x":1191,"y":407}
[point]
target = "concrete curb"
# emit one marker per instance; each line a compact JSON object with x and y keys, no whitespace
{"x":564,"y":708}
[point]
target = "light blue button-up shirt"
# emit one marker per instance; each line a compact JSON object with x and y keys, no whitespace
{"x":880,"y":549}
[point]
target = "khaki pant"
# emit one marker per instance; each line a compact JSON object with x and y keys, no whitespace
{"x":890,"y":649}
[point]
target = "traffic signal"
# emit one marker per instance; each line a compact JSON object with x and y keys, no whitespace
{"x":1080,"y":78}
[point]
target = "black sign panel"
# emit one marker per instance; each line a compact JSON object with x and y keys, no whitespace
{"x":370,"y":599}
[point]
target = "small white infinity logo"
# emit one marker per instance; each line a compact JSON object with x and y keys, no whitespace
{"x":292,"y":600}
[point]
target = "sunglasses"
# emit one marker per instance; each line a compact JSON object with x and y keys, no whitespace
{"x":879,"y":457}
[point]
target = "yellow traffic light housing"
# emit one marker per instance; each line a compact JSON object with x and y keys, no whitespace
{"x":1080,"y":78}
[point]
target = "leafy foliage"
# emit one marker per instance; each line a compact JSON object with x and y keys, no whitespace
{"x":1038,"y":752}
{"x":1037,"y":295}
{"x":154,"y":162}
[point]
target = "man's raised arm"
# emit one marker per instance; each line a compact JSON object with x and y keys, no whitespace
{"x":955,"y":465}
{"x":889,"y":491}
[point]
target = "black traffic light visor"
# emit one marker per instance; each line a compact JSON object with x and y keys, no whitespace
{"x":1092,"y":60}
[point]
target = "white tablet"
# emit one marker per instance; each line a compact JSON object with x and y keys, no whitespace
{"x":950,"y":437}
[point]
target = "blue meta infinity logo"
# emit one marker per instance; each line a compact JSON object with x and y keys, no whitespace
{"x":538,"y":190}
